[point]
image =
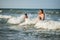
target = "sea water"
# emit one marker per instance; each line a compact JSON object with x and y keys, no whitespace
{"x":10,"y":31}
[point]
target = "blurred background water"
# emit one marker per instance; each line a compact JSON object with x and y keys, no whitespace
{"x":30,"y":33}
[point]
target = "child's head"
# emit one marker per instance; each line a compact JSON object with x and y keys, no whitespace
{"x":26,"y":15}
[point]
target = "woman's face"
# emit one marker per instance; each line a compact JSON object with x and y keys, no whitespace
{"x":40,"y":12}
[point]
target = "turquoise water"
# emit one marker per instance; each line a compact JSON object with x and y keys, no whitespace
{"x":15,"y":32}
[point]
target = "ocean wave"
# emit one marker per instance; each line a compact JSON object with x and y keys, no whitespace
{"x":5,"y":16}
{"x":16,"y":20}
{"x":45,"y":25}
{"x":48,"y":24}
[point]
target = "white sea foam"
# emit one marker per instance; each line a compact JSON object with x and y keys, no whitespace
{"x":5,"y":16}
{"x":0,"y":10}
{"x":48,"y":24}
{"x":15,"y":20}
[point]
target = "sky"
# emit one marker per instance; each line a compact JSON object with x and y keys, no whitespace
{"x":48,"y":4}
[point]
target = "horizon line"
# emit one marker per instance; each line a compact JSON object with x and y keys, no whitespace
{"x":29,"y":8}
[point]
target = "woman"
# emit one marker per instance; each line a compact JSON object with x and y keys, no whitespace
{"x":41,"y":15}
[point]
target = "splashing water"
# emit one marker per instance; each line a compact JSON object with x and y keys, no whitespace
{"x":15,"y":28}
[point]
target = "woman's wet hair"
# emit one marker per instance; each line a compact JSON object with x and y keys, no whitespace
{"x":42,"y":10}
